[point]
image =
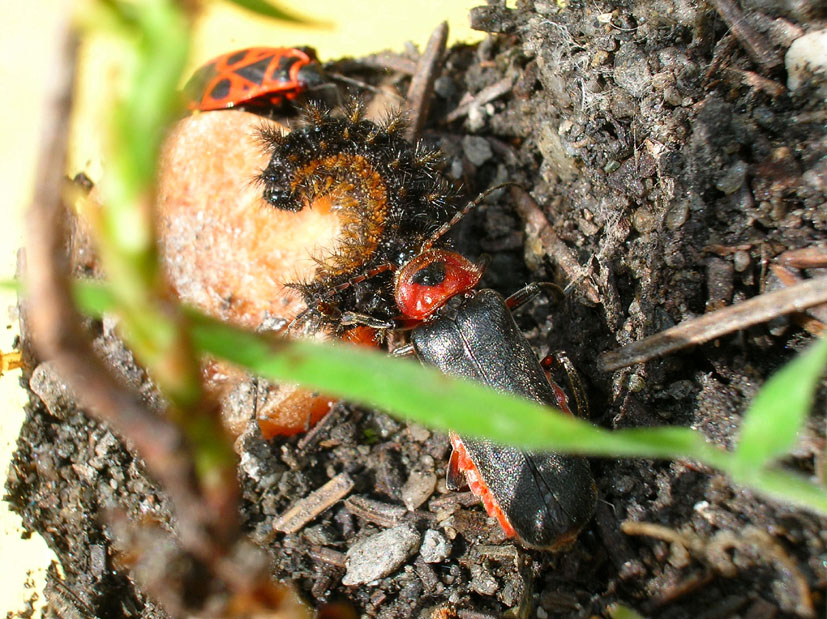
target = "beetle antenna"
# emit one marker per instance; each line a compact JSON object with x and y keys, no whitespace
{"x":444,"y":228}
{"x":358,"y":279}
{"x":360,"y":84}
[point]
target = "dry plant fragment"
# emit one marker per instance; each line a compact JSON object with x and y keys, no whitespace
{"x":422,"y":84}
{"x":10,"y":361}
{"x":757,"y":46}
{"x":210,"y":536}
{"x":751,"y":312}
{"x":486,"y":95}
{"x":538,"y":227}
{"x":384,"y":514}
{"x":306,"y":509}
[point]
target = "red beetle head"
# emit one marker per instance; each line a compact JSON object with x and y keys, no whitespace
{"x":426,"y":282}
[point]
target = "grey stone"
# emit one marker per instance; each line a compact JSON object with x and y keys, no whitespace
{"x":379,"y":555}
{"x":435,"y":547}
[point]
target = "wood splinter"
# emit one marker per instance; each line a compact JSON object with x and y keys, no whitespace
{"x":721,"y":322}
{"x":306,"y":509}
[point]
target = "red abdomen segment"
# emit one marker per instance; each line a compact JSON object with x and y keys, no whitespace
{"x":460,"y":464}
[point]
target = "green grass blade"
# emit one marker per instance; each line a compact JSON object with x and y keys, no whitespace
{"x":784,"y":486}
{"x":12,"y":285}
{"x":405,"y":387}
{"x":423,"y":394}
{"x":777,"y":413}
{"x":274,"y":11}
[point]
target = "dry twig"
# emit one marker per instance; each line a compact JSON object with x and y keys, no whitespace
{"x":715,"y":324}
{"x":59,"y":336}
{"x":306,"y":509}
{"x":422,"y":84}
{"x":486,"y":95}
{"x":537,"y":226}
{"x":754,"y":42}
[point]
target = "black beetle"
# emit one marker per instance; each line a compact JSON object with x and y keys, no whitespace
{"x":542,"y":498}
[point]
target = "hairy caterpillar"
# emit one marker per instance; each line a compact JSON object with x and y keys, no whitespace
{"x":389,"y":196}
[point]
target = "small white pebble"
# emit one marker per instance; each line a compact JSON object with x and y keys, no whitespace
{"x":807,"y":56}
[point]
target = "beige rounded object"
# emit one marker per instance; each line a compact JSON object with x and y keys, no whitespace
{"x":807,"y":58}
{"x":225,"y":250}
{"x":229,"y":253}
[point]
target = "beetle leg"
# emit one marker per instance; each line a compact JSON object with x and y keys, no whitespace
{"x":527,"y":293}
{"x":355,"y":318}
{"x":559,"y":360}
{"x":403,"y":351}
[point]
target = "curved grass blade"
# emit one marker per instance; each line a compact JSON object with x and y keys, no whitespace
{"x":274,"y":11}
{"x":776,"y":415}
{"x":407,"y":389}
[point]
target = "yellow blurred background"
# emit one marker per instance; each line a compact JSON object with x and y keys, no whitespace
{"x":354,"y":28}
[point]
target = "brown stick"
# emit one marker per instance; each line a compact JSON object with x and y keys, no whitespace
{"x":754,"y":42}
{"x":753,"y":80}
{"x":306,"y":509}
{"x":804,"y":258}
{"x":422,"y":84}
{"x":58,"y":335}
{"x":486,"y":95}
{"x":814,"y":319}
{"x":537,"y":226}
{"x":715,"y":324}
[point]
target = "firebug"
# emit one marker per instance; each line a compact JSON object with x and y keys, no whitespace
{"x":253,"y":76}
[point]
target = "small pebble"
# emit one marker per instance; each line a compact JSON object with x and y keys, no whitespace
{"x":476,"y":118}
{"x":636,"y":383}
{"x":97,"y":559}
{"x":435,"y":548}
{"x":419,"y":486}
{"x":477,"y":149}
{"x":806,"y":57}
{"x":631,"y":70}
{"x":733,"y":178}
{"x":623,"y":484}
{"x":644,"y":220}
{"x":677,"y":214}
{"x":380,"y":555}
{"x":484,"y":583}
{"x":741,"y":260}
{"x":418,"y":433}
{"x":50,"y":388}
{"x":444,"y":86}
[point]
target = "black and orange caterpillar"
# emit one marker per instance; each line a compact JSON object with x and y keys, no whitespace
{"x":391,"y":196}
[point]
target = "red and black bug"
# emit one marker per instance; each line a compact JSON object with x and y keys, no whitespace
{"x":253,"y":76}
{"x":541,"y":498}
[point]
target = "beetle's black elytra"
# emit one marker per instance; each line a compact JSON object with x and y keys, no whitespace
{"x":546,"y":498}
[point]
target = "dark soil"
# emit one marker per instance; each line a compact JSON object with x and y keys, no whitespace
{"x":675,"y":177}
